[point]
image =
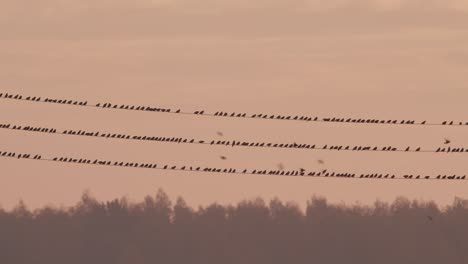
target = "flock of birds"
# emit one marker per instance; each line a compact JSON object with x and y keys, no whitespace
{"x":280,"y":171}
{"x":232,"y":114}
{"x":301,"y":172}
{"x":232,"y":143}
{"x":7,"y":154}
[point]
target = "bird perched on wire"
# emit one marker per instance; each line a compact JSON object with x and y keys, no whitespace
{"x":447,"y":141}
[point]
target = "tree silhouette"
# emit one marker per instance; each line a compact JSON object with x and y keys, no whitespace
{"x":253,"y":231}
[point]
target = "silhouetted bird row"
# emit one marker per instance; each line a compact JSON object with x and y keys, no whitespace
{"x":236,"y":114}
{"x":230,"y":143}
{"x":19,"y":155}
{"x":45,"y":100}
{"x":134,"y":107}
{"x":280,"y":172}
{"x":231,"y":114}
{"x":332,"y":119}
{"x":451,"y":177}
{"x":106,"y":163}
{"x":69,"y":102}
{"x":452,"y":150}
{"x":29,"y":128}
{"x":300,"y":172}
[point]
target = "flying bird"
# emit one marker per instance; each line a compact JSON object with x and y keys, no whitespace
{"x":223,"y":157}
{"x":220,"y":133}
{"x":281,"y":166}
{"x":320,"y":161}
{"x":447,"y":141}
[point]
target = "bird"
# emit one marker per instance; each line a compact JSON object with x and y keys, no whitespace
{"x":320,"y":161}
{"x":281,"y":166}
{"x":220,"y":133}
{"x":447,"y":141}
{"x":223,"y":157}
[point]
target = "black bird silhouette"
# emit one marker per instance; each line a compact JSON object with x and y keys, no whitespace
{"x":447,"y":141}
{"x":223,"y":157}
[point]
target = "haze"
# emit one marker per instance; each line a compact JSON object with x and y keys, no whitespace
{"x":376,"y":59}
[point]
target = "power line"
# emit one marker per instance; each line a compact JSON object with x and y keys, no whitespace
{"x":290,"y":173}
{"x":238,"y":115}
{"x":228,"y":143}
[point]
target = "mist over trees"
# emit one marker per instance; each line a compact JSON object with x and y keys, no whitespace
{"x":158,"y":230}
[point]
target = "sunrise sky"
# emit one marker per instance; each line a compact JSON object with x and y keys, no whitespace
{"x":405,"y":59}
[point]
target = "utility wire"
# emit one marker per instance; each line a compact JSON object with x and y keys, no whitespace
{"x":291,"y":173}
{"x":237,"y":114}
{"x":228,"y":143}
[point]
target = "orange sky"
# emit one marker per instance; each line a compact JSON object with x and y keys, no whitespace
{"x":380,"y":59}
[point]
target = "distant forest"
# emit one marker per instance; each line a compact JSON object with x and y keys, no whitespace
{"x":157,"y":230}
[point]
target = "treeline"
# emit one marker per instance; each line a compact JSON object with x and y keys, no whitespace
{"x":160,"y":231}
